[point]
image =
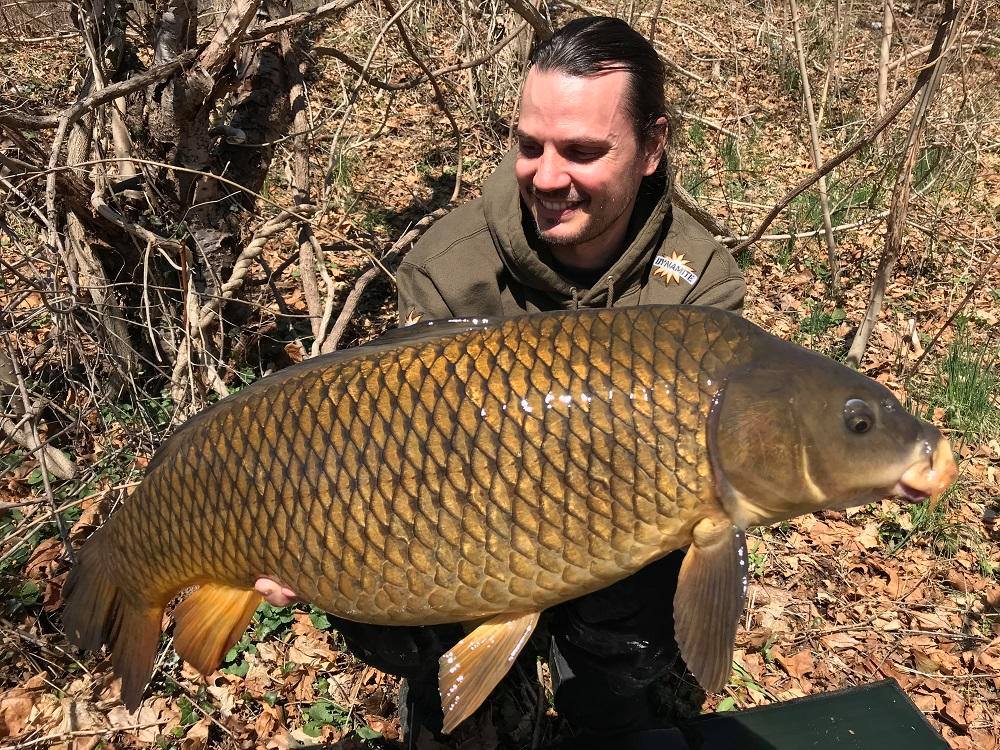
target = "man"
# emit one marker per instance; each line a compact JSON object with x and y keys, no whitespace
{"x":578,"y":215}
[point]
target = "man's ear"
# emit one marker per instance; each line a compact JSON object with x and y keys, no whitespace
{"x":655,"y":146}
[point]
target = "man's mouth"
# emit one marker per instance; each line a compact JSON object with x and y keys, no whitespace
{"x":551,"y":205}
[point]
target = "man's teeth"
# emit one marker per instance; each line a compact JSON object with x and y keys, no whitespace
{"x":556,"y":205}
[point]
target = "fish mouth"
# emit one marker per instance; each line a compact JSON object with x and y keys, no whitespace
{"x":930,"y":476}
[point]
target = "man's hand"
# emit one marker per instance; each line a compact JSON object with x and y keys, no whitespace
{"x":274,"y":593}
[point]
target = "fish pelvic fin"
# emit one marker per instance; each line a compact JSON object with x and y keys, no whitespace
{"x":99,"y":613}
{"x":470,"y":670}
{"x":210,"y":621}
{"x":711,"y":591}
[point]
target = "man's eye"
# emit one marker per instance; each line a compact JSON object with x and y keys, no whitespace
{"x":529,"y":149}
{"x":584,"y":154}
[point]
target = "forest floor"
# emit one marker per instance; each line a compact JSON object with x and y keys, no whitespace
{"x":837,"y":599}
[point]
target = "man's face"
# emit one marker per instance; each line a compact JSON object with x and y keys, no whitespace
{"x":579,"y":162}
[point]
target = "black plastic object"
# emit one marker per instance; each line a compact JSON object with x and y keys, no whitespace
{"x":878,"y":716}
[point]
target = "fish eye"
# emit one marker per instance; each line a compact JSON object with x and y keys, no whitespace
{"x":858,"y":416}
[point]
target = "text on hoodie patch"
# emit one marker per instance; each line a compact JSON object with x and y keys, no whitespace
{"x":674,"y":268}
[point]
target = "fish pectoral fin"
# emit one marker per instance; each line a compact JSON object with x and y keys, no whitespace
{"x":210,"y":621}
{"x":711,"y":591}
{"x":470,"y":670}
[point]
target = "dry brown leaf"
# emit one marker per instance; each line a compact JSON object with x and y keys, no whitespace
{"x":954,"y":710}
{"x":15,"y":710}
{"x":224,"y":695}
{"x":868,"y":538}
{"x":958,"y":581}
{"x":993,"y":597}
{"x":147,"y":723}
{"x":924,"y":662}
{"x":196,"y":737}
{"x":798,"y":665}
{"x":839,"y":641}
{"x":43,"y":561}
{"x":269,"y":720}
{"x":311,"y":650}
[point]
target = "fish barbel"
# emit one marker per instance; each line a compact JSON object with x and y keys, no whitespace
{"x":476,"y":471}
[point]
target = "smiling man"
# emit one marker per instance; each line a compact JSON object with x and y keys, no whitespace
{"x":577,"y":215}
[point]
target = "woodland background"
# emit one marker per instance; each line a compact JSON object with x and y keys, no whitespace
{"x":196,"y":196}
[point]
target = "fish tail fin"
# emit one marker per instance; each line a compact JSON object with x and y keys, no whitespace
{"x":99,"y":613}
{"x":210,"y":621}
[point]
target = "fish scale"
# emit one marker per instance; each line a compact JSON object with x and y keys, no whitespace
{"x":491,"y":471}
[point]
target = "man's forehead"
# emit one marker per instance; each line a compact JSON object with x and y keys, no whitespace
{"x":588,"y":106}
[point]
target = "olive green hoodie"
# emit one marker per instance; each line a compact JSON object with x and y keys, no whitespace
{"x":480,"y":260}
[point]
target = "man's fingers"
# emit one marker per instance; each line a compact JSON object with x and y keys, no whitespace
{"x":274,"y":593}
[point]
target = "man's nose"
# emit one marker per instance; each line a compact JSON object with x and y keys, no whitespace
{"x":551,"y":174}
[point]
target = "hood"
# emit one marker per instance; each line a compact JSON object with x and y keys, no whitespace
{"x":531,"y":263}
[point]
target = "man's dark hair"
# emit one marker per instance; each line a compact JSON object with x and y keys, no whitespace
{"x":598,"y":44}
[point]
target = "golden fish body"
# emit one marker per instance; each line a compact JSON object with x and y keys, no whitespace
{"x":492,"y":470}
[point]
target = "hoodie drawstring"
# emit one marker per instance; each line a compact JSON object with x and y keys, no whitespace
{"x":611,"y":290}
{"x":576,"y":298}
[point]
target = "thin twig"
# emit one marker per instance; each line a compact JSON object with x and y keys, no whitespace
{"x":831,"y":244}
{"x":399,"y":247}
{"x":804,"y":235}
{"x":883,"y":58}
{"x":530,"y":14}
{"x":415,"y":81}
{"x":958,"y":310}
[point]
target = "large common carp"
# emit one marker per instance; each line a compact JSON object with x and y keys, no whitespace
{"x":481,"y":472}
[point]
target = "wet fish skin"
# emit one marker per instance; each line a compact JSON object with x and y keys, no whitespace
{"x":494,"y":471}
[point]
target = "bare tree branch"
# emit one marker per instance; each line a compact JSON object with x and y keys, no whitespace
{"x":530,"y":14}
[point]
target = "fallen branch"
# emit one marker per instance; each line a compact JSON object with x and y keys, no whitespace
{"x":982,"y":40}
{"x":68,"y":117}
{"x":115,"y":90}
{"x":40,"y":453}
{"x":804,"y":235}
{"x":708,"y":123}
{"x":686,"y":201}
{"x":298,"y":19}
{"x":20,"y":431}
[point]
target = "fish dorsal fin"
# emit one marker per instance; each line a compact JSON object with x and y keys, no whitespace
{"x":711,"y":591}
{"x":210,"y":621}
{"x":473,"y":667}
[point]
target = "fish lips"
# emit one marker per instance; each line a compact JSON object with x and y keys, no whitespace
{"x":929,"y":477}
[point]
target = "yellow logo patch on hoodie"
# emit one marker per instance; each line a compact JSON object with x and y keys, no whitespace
{"x":674,"y":268}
